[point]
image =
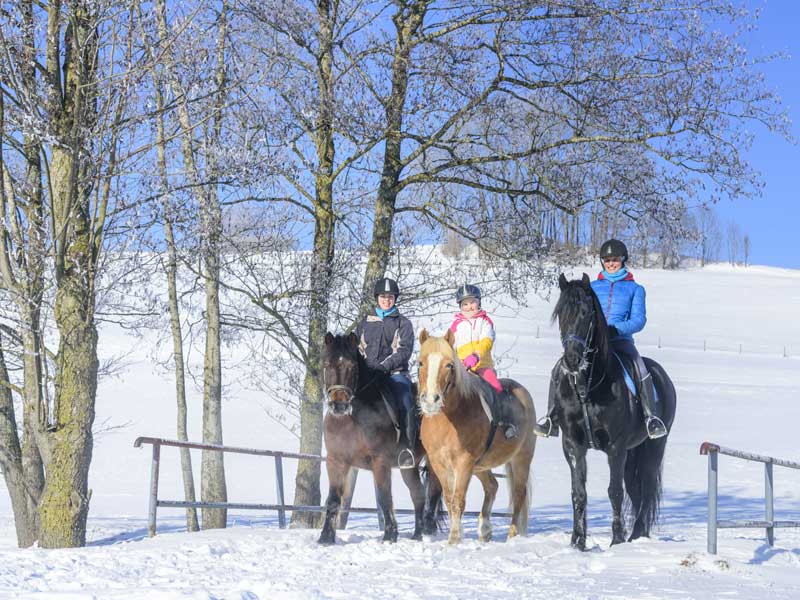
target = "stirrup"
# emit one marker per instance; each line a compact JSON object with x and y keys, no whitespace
{"x":546,"y":428}
{"x":655,"y":428}
{"x":405,"y":460}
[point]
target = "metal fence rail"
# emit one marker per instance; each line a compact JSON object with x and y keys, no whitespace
{"x":769,"y":523}
{"x":281,"y":507}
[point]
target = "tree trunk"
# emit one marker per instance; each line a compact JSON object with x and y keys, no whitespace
{"x":171,"y":271}
{"x":11,"y":462}
{"x":65,"y":499}
{"x":406,"y":23}
{"x":212,"y":483}
{"x":307,"y":480}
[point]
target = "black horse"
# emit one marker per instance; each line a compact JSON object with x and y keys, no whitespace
{"x":597,"y":410}
{"x":360,"y":432}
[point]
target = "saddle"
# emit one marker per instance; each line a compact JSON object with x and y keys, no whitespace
{"x":632,"y":379}
{"x":395,"y":409}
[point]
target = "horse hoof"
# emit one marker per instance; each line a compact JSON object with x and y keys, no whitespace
{"x":579,"y":544}
{"x":485,"y":538}
{"x":326,"y":540}
{"x":617,"y":540}
{"x":391,"y":538}
{"x":417,"y":536}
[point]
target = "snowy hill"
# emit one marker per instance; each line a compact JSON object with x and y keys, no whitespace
{"x":729,"y":339}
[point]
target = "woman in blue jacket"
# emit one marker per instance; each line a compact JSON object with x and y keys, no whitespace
{"x":623,"y":302}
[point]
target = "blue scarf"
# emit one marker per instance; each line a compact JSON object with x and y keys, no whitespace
{"x":384,"y":313}
{"x":618,"y":276}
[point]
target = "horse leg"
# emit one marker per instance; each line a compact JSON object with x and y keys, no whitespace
{"x":462,"y":473}
{"x":576,"y":458}
{"x":382,"y":473}
{"x":433,"y":502}
{"x":489,"y":482}
{"x":414,"y":484}
{"x":337,"y":476}
{"x":616,"y":493}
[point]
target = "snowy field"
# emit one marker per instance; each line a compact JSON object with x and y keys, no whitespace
{"x":748,"y":400}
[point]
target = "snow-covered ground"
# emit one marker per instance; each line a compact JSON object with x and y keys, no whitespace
{"x":748,"y":400}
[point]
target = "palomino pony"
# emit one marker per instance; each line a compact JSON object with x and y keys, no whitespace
{"x":597,"y":410}
{"x":458,"y":438}
{"x":359,"y":432}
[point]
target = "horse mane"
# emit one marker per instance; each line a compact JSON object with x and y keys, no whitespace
{"x":566,"y":311}
{"x":466,"y":385}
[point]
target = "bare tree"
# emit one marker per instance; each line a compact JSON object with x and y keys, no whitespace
{"x":733,"y":242}
{"x":70,"y":91}
{"x":709,"y":234}
{"x":746,"y":250}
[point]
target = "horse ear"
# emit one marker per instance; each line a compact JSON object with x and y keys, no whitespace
{"x":328,"y":338}
{"x":352,"y":339}
{"x":585,"y":281}
{"x":423,"y":335}
{"x":562,"y":282}
{"x":450,"y":337}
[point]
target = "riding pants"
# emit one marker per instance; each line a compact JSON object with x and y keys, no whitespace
{"x":400,"y":386}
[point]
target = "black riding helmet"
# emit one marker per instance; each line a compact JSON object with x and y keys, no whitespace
{"x":386,"y":286}
{"x":467,"y":291}
{"x":614,"y":247}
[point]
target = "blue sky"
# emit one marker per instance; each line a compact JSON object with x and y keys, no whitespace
{"x":773,"y":221}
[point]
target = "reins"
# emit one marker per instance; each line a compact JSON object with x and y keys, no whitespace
{"x":583,"y":391}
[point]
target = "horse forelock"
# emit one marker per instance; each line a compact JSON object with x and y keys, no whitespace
{"x":433,"y":351}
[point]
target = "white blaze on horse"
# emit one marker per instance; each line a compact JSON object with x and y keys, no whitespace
{"x":458,"y":439}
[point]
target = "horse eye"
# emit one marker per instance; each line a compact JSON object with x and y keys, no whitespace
{"x":450,"y":366}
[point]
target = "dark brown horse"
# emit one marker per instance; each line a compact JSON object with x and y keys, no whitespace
{"x":455,"y":431}
{"x":359,"y":432}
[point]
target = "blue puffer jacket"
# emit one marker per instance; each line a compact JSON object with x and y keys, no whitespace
{"x":623,"y":304}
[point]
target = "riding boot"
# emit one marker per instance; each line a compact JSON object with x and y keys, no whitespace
{"x":406,"y":459}
{"x":547,"y":426}
{"x":654,"y":425}
{"x":505,"y":417}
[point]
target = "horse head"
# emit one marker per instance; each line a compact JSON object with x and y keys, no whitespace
{"x":439,"y":370}
{"x":581,"y":323}
{"x":340,"y":372}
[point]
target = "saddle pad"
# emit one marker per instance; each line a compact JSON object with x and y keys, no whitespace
{"x":627,"y":368}
{"x":626,"y":374}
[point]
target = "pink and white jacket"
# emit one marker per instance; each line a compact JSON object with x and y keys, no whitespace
{"x":474,"y":335}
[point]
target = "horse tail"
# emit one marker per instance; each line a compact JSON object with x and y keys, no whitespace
{"x":522,"y":524}
{"x":643,"y":470}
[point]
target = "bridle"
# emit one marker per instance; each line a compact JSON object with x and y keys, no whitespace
{"x":351,"y":393}
{"x":583,"y":391}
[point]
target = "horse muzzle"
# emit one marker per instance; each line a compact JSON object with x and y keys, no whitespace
{"x":340,"y":408}
{"x":430,"y":405}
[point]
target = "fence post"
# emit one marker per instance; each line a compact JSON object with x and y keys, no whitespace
{"x":704,"y":345}
{"x":659,"y":341}
{"x":279,"y":483}
{"x":712,"y":501}
{"x":769,"y":504}
{"x":740,"y":348}
{"x":151,"y":513}
{"x":537,"y":332}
